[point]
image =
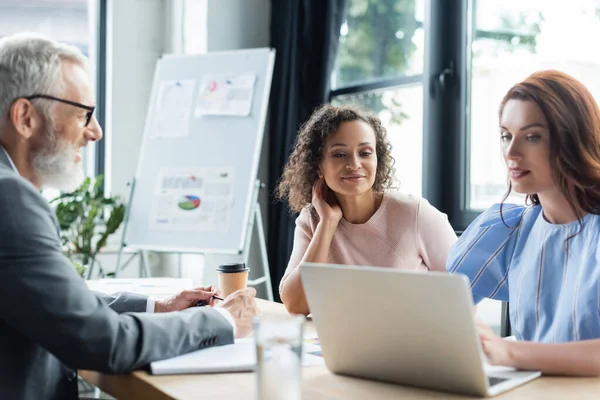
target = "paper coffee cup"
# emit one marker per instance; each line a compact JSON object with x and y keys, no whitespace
{"x":232,"y":277}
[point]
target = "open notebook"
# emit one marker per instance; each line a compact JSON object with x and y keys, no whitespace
{"x":237,"y":357}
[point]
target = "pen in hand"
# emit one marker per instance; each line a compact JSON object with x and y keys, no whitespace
{"x":203,"y":302}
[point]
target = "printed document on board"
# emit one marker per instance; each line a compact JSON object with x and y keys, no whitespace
{"x":193,"y":199}
{"x":226,"y":95}
{"x":173,"y":107}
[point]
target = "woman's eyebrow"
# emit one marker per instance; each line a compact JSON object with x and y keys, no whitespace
{"x":524,"y":128}
{"x":345,"y":145}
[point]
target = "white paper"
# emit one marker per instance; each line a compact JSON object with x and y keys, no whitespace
{"x":226,"y":95}
{"x":238,"y":357}
{"x":174,"y":102}
{"x":193,"y":199}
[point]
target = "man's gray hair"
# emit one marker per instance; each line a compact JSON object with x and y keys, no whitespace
{"x":31,"y":64}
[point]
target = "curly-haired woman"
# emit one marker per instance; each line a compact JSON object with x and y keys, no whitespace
{"x":338,"y":178}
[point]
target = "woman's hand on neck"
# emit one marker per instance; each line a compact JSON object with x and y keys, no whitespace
{"x":359,"y":209}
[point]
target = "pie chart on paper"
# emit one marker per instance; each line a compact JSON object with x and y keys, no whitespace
{"x":189,"y":202}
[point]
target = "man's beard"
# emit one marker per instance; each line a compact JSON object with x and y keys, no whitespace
{"x":54,"y":166}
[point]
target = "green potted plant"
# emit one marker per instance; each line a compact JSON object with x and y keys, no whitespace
{"x":87,"y":218}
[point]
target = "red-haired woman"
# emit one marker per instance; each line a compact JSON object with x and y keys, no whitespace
{"x":543,"y":258}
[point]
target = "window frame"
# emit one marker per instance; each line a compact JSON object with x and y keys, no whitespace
{"x":102,"y":35}
{"x":376,"y":85}
{"x":448,"y":30}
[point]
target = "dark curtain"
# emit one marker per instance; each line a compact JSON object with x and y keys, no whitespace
{"x":305,"y":35}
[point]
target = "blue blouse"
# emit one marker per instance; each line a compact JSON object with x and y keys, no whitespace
{"x":553,"y":285}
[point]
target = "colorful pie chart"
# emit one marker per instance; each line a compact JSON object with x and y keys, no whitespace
{"x":189,"y":202}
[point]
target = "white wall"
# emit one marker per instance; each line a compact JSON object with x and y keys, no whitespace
{"x":238,"y":24}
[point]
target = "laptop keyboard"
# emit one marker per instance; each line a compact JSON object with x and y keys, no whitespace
{"x":492,"y":380}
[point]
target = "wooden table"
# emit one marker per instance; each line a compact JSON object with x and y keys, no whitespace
{"x":319,"y":383}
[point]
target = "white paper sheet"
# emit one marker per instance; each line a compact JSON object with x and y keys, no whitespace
{"x":173,"y":108}
{"x":226,"y":95}
{"x":193,"y":199}
{"x":238,"y":357}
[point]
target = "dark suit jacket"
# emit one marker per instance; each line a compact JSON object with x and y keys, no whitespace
{"x":51,"y":324}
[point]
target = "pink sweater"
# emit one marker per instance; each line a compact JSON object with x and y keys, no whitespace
{"x":405,"y":232}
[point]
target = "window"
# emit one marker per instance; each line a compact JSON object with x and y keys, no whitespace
{"x":513,"y":39}
{"x":68,"y":21}
{"x":379,"y":66}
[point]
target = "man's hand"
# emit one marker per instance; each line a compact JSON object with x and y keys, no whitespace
{"x":242,"y":307}
{"x":186,"y":299}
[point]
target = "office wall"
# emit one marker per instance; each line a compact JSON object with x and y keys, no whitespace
{"x":237,"y":24}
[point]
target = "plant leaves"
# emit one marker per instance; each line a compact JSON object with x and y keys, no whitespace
{"x":87,"y":219}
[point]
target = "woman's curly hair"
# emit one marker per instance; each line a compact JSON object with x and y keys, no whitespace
{"x":301,"y":171}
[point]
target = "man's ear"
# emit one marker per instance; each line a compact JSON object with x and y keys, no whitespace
{"x":24,"y":117}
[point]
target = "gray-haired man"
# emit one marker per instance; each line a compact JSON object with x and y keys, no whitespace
{"x":50,"y":323}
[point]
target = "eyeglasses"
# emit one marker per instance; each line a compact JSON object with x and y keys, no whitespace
{"x":88,"y":115}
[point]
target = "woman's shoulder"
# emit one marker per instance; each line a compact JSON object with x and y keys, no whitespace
{"x":505,"y":214}
{"x":397,"y":201}
{"x":499,"y":222}
{"x":491,"y":236}
{"x":408,"y":204}
{"x":308,"y":218}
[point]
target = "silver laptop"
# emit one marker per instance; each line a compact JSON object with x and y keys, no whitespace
{"x":404,"y":327}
